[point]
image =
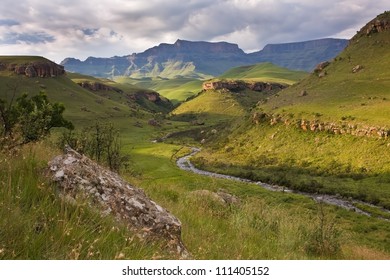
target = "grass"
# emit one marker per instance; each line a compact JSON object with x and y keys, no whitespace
{"x":363,"y":95}
{"x":175,"y":89}
{"x":265,"y":226}
{"x":314,"y":162}
{"x":267,"y":72}
{"x":37,"y":224}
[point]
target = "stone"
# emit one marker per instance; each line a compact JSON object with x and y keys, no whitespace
{"x":357,"y":68}
{"x":321,"y":66}
{"x":221,"y":196}
{"x":78,"y":176}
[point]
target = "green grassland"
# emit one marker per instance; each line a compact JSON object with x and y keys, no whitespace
{"x":176,"y":89}
{"x":37,"y":224}
{"x":267,"y":72}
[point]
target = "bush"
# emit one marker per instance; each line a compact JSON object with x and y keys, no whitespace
{"x":100,"y":142}
{"x":324,"y":238}
{"x":29,"y":119}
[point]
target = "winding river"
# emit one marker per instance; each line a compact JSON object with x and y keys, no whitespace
{"x":184,"y":163}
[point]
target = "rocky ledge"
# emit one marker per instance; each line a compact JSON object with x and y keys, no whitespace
{"x":242,"y":85}
{"x":78,"y":176}
{"x":43,"y":69}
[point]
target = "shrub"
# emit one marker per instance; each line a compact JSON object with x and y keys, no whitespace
{"x":100,"y":142}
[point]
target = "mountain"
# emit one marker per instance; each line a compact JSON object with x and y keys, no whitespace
{"x":204,"y":59}
{"x":301,"y":55}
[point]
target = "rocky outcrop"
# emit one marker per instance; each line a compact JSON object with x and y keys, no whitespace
{"x":78,"y":176}
{"x":96,"y":86}
{"x":42,"y":69}
{"x":341,"y":127}
{"x":378,"y":26}
{"x":241,"y":85}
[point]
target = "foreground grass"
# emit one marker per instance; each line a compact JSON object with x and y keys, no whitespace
{"x":350,"y":166}
{"x":37,"y":224}
{"x":265,"y":225}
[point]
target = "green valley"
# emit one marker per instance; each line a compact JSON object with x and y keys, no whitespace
{"x":323,"y":133}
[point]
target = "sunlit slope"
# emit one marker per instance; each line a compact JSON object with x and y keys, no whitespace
{"x":265,"y":72}
{"x":355,"y":85}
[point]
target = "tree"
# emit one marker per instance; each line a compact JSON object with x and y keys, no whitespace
{"x":29,"y":119}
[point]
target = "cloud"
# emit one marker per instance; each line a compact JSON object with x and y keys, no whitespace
{"x":27,"y":38}
{"x":8,"y":22}
{"x":62,"y":28}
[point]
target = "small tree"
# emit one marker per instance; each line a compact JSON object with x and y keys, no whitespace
{"x":29,"y":119}
{"x":100,"y":141}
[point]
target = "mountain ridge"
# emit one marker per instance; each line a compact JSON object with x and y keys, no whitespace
{"x":201,"y":59}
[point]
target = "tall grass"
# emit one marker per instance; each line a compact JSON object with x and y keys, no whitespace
{"x":37,"y":224}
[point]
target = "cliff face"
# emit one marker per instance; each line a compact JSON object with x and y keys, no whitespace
{"x":241,"y":85}
{"x":380,"y":24}
{"x":206,"y":58}
{"x":43,"y":69}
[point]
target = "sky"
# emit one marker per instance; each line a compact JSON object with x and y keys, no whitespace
{"x":57,"y":29}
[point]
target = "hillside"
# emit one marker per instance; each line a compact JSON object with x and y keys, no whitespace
{"x":354,"y":86}
{"x":204,"y":59}
{"x":86,"y":98}
{"x":327,"y":134}
{"x":176,"y":90}
{"x":264,"y":72}
{"x":237,"y":91}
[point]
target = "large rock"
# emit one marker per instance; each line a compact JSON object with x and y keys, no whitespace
{"x":78,"y":176}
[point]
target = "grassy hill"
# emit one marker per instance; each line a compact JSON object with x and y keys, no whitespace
{"x":325,"y":134}
{"x":264,"y":72}
{"x":176,"y":89}
{"x":362,"y":95}
{"x":215,"y":105}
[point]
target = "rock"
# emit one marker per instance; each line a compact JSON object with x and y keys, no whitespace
{"x":321,"y":66}
{"x":357,"y":68}
{"x":78,"y":176}
{"x":241,"y":85}
{"x":95,"y":86}
{"x":303,"y":93}
{"x":221,"y":196}
{"x":153,"y":122}
{"x":43,"y":69}
{"x":30,"y":71}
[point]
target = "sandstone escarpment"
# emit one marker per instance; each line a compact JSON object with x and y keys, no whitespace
{"x":242,"y":85}
{"x":43,"y":69}
{"x":78,"y":176}
{"x":341,"y":127}
{"x":96,"y":86}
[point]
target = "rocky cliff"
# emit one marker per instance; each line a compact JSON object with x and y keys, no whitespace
{"x":79,"y":177}
{"x":241,"y":85}
{"x":43,"y":69}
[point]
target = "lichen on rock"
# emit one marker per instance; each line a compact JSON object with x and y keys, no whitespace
{"x":76,"y":175}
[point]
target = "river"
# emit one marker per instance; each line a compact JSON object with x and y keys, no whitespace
{"x":184,"y":163}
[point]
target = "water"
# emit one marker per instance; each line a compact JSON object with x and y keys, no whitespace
{"x":184,"y":163}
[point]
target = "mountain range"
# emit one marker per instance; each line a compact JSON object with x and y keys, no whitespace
{"x":205,"y":59}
